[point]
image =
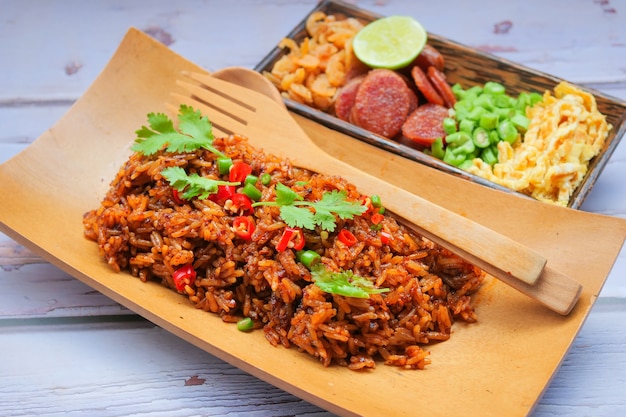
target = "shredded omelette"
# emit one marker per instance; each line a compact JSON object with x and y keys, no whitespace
{"x":566,"y":131}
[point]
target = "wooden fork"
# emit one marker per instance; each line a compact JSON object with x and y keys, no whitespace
{"x":268,"y":125}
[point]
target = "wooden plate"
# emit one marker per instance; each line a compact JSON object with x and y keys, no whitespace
{"x":468,"y":67}
{"x":498,"y":366}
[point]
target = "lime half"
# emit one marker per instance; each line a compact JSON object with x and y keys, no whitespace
{"x":390,"y":42}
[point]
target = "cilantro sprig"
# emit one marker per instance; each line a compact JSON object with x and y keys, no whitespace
{"x":296,"y":212}
{"x":192,"y":185}
{"x":344,"y":283}
{"x":194,"y":132}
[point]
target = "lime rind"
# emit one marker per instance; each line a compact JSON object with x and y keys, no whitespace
{"x":391,"y":42}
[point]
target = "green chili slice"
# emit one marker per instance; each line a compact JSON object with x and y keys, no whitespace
{"x":266,"y":178}
{"x":251,"y":191}
{"x":308,"y":258}
{"x":223,"y":165}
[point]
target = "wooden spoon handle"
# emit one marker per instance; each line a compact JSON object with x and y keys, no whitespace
{"x":553,"y":289}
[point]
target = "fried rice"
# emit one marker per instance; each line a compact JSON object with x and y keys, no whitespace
{"x":144,"y":228}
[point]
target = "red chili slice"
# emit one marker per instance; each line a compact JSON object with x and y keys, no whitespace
{"x":244,"y":227}
{"x":239,"y":171}
{"x":224,"y":192}
{"x":176,"y":197}
{"x":385,"y":238}
{"x":347,"y":237}
{"x":367,"y":202}
{"x":292,"y":238}
{"x":239,"y":203}
{"x":183,"y":276}
{"x":376,"y":218}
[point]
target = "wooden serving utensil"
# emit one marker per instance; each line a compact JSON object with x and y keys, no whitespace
{"x":266,"y":122}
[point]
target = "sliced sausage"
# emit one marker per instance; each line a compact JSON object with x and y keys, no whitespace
{"x":345,"y":98}
{"x":414,"y":101}
{"x":425,"y":87}
{"x":430,"y":57}
{"x":438,"y":80}
{"x":382,"y":103}
{"x":425,"y":124}
{"x":412,"y":92}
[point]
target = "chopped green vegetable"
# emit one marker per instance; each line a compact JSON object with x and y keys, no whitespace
{"x":453,"y":159}
{"x":251,"y":191}
{"x":251,"y":179}
{"x":437,"y":147}
{"x":194,"y":132}
{"x":489,"y":116}
{"x":296,"y":212}
{"x":223,"y":165}
{"x":192,"y":185}
{"x":308,"y":258}
{"x":493,"y":88}
{"x":458,"y":138}
{"x":521,"y":122}
{"x":490,"y":155}
{"x":467,"y":125}
{"x":464,"y":148}
{"x":449,"y":125}
{"x":376,"y":201}
{"x":266,"y":179}
{"x":343,"y":283}
{"x":488,"y":121}
{"x":245,"y":325}
{"x":480,"y":137}
{"x":507,"y":131}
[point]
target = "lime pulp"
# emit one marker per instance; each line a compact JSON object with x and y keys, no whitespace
{"x":390,"y":42}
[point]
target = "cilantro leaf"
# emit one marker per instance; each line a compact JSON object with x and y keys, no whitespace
{"x":297,"y":212}
{"x":296,"y":216}
{"x":161,"y":123}
{"x":195,"y":132}
{"x":343,"y":283}
{"x":335,"y":202}
{"x":191,"y":185}
{"x":193,"y":124}
{"x":285,"y":195}
{"x":326,"y":220}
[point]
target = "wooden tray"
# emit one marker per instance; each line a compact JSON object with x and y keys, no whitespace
{"x":498,"y":366}
{"x":468,"y":67}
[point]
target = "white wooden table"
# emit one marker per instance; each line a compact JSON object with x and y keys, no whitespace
{"x":67,"y":350}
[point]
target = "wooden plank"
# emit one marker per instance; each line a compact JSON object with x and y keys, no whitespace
{"x":142,"y":369}
{"x":526,"y":33}
{"x":32,"y":288}
{"x":134,"y":368}
{"x":41,"y":290}
{"x":22,"y":123}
